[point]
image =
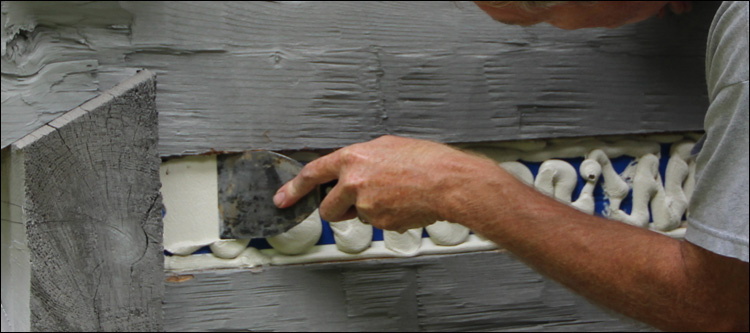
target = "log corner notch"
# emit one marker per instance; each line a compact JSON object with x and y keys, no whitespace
{"x":81,"y":217}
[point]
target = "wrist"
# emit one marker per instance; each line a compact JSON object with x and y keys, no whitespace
{"x":474,"y":192}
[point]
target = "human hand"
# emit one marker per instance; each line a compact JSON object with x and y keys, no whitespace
{"x":393,"y":183}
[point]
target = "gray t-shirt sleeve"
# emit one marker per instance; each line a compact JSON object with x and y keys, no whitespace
{"x":718,"y":215}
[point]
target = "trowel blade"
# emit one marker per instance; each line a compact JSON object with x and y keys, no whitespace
{"x":247,"y":184}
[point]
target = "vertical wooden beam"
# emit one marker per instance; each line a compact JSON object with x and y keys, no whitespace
{"x":15,"y":251}
{"x":93,"y":214}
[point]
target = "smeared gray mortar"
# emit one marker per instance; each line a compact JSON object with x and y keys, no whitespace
{"x":292,"y":75}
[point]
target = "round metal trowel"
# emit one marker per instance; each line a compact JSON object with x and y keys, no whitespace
{"x":247,"y":184}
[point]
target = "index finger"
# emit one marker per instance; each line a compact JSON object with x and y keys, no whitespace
{"x":319,"y":171}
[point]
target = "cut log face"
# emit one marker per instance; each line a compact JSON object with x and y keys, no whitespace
{"x":92,"y":219}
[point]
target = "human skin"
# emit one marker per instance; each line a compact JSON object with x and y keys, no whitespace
{"x":581,"y":14}
{"x":398,"y":183}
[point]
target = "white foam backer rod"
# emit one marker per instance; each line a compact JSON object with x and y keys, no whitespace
{"x":557,"y":178}
{"x":646,"y":183}
{"x":352,"y":236}
{"x":590,"y":172}
{"x":229,"y":248}
{"x":520,"y":171}
{"x":189,"y":189}
{"x":406,"y":244}
{"x":447,"y":233}
{"x":300,"y":238}
{"x":615,"y":188}
{"x":670,"y":204}
{"x":249,"y":257}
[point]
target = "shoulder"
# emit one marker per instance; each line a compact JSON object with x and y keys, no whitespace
{"x":718,"y":218}
{"x":727,"y":47}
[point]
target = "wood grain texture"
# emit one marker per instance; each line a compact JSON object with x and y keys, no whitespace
{"x":94,"y":214}
{"x":480,"y":291}
{"x":264,"y":75}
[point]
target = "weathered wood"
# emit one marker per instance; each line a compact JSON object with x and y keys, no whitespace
{"x":262,"y":75}
{"x":93,"y":215}
{"x":236,"y":76}
{"x":478,"y":291}
{"x":15,"y":252}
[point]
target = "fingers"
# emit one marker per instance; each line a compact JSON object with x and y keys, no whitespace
{"x":339,"y":204}
{"x":314,"y":173}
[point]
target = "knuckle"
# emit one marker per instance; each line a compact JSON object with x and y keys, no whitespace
{"x":306,"y":175}
{"x":291,"y":187}
{"x":348,"y":188}
{"x":349,"y":156}
{"x":354,"y":155}
{"x":366,"y":207}
{"x":353,"y":184}
{"x":366,"y":211}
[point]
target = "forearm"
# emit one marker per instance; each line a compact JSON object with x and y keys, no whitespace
{"x":398,"y":183}
{"x":631,"y":270}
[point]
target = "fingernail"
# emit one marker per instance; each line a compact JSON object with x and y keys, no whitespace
{"x":278,"y":199}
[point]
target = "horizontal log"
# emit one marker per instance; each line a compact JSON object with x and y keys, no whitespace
{"x":236,"y":76}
